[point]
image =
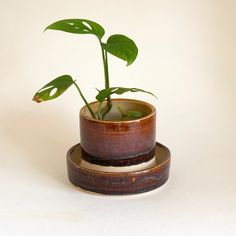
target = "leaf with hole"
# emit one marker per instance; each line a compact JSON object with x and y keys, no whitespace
{"x":104,"y":93}
{"x":53,"y":89}
{"x":78,"y":26}
{"x":122,"y":47}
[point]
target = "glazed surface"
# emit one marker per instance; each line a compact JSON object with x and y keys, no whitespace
{"x":112,"y":142}
{"x":119,"y":183}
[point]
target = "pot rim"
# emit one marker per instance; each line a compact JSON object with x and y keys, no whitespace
{"x":153,"y":112}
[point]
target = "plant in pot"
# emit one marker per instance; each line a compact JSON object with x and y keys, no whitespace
{"x":113,"y":132}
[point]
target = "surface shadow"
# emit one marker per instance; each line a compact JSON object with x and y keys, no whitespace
{"x":42,"y":138}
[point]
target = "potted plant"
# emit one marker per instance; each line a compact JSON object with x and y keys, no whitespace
{"x":113,"y":132}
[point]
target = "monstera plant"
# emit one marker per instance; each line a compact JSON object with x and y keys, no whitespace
{"x":114,"y":132}
{"x":117,"y":45}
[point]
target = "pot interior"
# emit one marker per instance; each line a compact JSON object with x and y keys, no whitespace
{"x":126,"y":105}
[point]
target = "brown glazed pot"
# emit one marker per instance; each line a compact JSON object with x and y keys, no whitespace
{"x":119,"y":183}
{"x":113,"y":142}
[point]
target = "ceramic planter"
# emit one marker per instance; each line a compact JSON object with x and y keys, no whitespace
{"x":119,"y":183}
{"x":114,"y":142}
{"x":111,"y":151}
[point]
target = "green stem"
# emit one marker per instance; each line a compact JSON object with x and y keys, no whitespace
{"x":121,"y":112}
{"x":105,"y":66}
{"x":106,"y":76}
{"x":107,"y":84}
{"x":99,"y":111}
{"x":85,"y":101}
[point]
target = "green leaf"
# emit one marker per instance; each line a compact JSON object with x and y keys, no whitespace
{"x":122,"y":47}
{"x":130,"y":114}
{"x":135,"y":114}
{"x":78,"y":26}
{"x":53,"y":89}
{"x":104,"y":93}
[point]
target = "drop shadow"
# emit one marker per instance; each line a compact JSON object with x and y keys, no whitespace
{"x":42,"y":138}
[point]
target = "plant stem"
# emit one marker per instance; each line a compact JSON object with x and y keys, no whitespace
{"x":107,"y":83}
{"x":99,"y":111}
{"x":121,"y":112}
{"x":106,"y":76}
{"x":105,"y":67}
{"x":85,"y":101}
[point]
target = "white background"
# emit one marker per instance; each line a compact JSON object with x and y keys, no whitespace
{"x":187,"y":56}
